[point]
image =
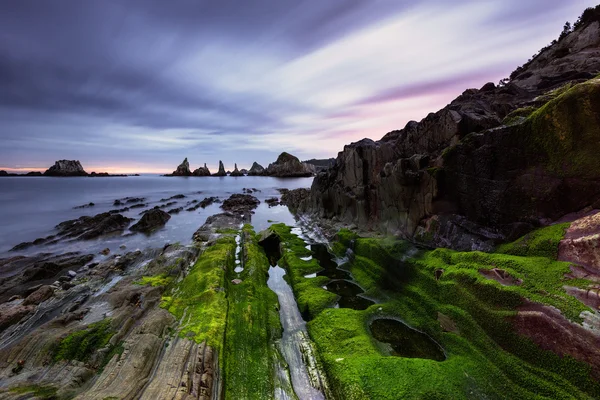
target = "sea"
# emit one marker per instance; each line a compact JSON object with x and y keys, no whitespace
{"x":31,"y":207}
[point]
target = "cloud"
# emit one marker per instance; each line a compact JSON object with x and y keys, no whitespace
{"x":145,"y":83}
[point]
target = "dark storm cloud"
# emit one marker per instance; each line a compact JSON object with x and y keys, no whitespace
{"x":148,"y":80}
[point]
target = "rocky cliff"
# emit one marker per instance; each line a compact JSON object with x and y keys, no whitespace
{"x":202,"y":171}
{"x":288,"y":166}
{"x":66,"y":168}
{"x":183,"y":169}
{"x":236,"y":172}
{"x":221,"y":171}
{"x":256,"y":169}
{"x":493,"y":164}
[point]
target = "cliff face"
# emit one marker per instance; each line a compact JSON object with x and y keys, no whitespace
{"x":183,"y":169}
{"x":492,"y":164}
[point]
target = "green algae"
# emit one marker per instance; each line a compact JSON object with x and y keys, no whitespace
{"x":199,"y":301}
{"x":38,"y":391}
{"x":486,"y":358}
{"x":252,"y":326}
{"x":156,"y":280}
{"x":82,"y":344}
{"x":310,"y":295}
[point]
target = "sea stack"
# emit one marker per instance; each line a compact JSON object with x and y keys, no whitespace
{"x":221,"y":171}
{"x":183,"y":169}
{"x":256,"y":169}
{"x":236,"y":172}
{"x":289,"y":166}
{"x":202,"y":171}
{"x":66,"y":168}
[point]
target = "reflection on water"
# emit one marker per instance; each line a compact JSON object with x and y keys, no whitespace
{"x":405,"y":341}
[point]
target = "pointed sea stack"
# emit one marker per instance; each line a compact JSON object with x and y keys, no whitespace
{"x":288,"y":166}
{"x":256,"y":169}
{"x":66,"y":168}
{"x":221,"y":171}
{"x":202,"y":171}
{"x":183,"y":169}
{"x":236,"y":172}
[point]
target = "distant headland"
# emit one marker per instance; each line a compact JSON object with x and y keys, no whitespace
{"x":65,"y":168}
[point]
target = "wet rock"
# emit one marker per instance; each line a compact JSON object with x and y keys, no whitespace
{"x":11,"y":314}
{"x":176,"y":197}
{"x":214,"y":223}
{"x":40,"y":295}
{"x":240,"y":203}
{"x":202,"y":171}
{"x":581,"y":244}
{"x":293,"y":198}
{"x":151,"y":221}
{"x":236,"y":172}
{"x":289,"y":166}
{"x":105,"y":251}
{"x":92,"y":227}
{"x":66,"y":168}
{"x":221,"y":171}
{"x":272,"y":201}
{"x":256,"y":169}
{"x":84,"y":206}
{"x":175,"y":210}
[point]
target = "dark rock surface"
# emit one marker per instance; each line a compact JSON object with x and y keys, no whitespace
{"x":236,"y":172}
{"x":221,"y":171}
{"x":207,"y":201}
{"x":3,"y":173}
{"x":272,"y":201}
{"x":289,"y":166}
{"x":256,"y":169}
{"x":293,"y":198}
{"x":151,"y":221}
{"x":202,"y":171}
{"x":240,"y":203}
{"x":215,"y":223}
{"x":485,"y":167}
{"x":66,"y":168}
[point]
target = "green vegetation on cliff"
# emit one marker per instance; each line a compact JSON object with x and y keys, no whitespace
{"x":567,"y":129}
{"x":446,"y":295}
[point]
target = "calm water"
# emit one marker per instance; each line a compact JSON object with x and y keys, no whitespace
{"x":31,"y":207}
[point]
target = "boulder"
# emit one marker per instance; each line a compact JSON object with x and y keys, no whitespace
{"x":183,"y":169}
{"x":289,"y":166}
{"x":256,"y":169}
{"x":221,"y":171}
{"x":202,"y":171}
{"x":39,"y":296}
{"x":151,"y":221}
{"x":244,"y":171}
{"x":240,"y":203}
{"x":66,"y":168}
{"x":236,"y":172}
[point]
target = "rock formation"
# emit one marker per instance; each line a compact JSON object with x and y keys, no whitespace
{"x":240,"y":203}
{"x":202,"y":171}
{"x":236,"y":172}
{"x":3,"y":173}
{"x":151,"y":221}
{"x":491,"y":165}
{"x":221,"y":171}
{"x":183,"y":169}
{"x":256,"y":169}
{"x":66,"y":168}
{"x":288,"y":166}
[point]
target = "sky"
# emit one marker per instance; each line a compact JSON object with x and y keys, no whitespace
{"x":137,"y":85}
